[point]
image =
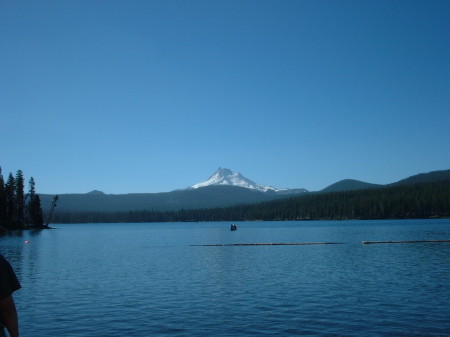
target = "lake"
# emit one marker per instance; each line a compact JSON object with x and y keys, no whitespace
{"x":158,"y":280}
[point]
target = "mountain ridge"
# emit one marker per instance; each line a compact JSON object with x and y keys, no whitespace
{"x":224,"y":176}
{"x":439,"y":175}
{"x":209,"y":196}
{"x":349,"y":185}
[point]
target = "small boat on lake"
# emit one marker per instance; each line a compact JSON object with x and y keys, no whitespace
{"x":233,"y":227}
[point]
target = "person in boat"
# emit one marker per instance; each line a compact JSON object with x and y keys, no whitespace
{"x":8,"y":313}
{"x":233,"y":227}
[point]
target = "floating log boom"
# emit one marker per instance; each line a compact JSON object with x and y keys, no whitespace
{"x":269,"y":244}
{"x":414,"y":241}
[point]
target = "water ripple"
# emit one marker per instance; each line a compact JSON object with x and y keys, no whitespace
{"x":146,"y":280}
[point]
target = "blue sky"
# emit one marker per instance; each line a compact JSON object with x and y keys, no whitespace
{"x":152,"y":96}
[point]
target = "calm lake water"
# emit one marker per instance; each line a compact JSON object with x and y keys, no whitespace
{"x":85,"y":280}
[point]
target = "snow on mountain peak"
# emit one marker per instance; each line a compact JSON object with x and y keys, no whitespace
{"x":224,"y":176}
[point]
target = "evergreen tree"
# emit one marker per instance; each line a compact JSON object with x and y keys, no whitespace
{"x":30,"y":196}
{"x":20,"y":198}
{"x":2,"y":200}
{"x":34,"y":206}
{"x":10,"y":199}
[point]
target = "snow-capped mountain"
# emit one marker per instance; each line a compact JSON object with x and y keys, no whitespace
{"x":224,"y":176}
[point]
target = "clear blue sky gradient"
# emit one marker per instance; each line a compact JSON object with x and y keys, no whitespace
{"x":152,"y":96}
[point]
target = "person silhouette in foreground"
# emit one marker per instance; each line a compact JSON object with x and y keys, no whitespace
{"x":8,"y":312}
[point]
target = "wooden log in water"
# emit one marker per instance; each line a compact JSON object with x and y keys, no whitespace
{"x":268,"y":244}
{"x":413,"y":241}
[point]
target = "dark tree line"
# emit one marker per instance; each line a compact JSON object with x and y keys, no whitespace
{"x":426,"y":200}
{"x":17,"y":209}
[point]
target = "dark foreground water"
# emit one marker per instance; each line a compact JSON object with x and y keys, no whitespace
{"x":147,"y":279}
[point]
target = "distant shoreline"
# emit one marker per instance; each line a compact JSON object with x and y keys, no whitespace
{"x":3,"y":230}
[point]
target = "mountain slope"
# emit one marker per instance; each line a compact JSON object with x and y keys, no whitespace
{"x":223,"y":188}
{"x":349,"y":185}
{"x":207,"y":197}
{"x":224,"y":176}
{"x":429,"y":177}
{"x":219,"y":193}
{"x":352,"y":185}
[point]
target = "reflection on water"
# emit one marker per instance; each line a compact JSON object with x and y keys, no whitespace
{"x":147,"y":279}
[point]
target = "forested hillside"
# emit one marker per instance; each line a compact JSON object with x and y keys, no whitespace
{"x":429,"y":177}
{"x":349,"y":185}
{"x":426,"y":200}
{"x":206,"y":197}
